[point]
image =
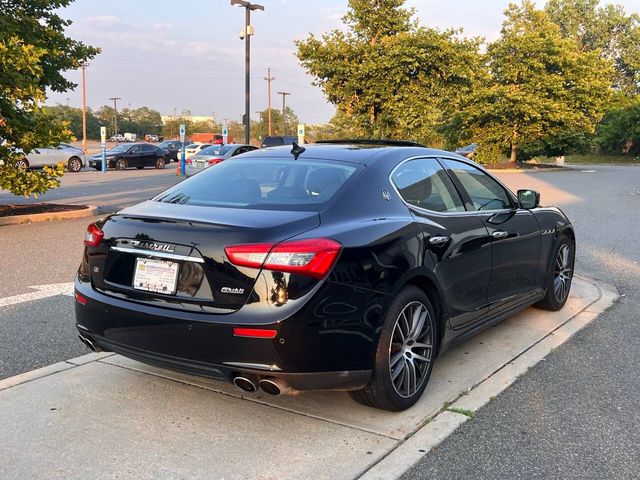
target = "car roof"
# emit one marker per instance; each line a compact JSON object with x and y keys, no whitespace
{"x":360,"y":153}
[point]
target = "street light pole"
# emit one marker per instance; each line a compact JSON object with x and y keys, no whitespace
{"x":284,"y":123}
{"x":84,"y":109}
{"x":115,"y":115}
{"x":248,"y":6}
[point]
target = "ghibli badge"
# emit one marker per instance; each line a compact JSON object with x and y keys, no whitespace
{"x":158,"y":247}
{"x":234,"y":291}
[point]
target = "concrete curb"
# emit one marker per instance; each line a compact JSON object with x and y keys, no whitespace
{"x":443,"y":424}
{"x":90,"y":211}
{"x":531,"y":170}
{"x":51,"y":369}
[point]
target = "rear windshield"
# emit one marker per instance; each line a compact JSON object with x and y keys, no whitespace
{"x":277,"y":141}
{"x":215,"y":150}
{"x":267,"y":183}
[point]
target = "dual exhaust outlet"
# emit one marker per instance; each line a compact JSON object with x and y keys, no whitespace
{"x":88,"y":343}
{"x":272,"y":386}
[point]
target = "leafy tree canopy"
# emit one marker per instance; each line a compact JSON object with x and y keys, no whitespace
{"x":606,"y":29}
{"x":539,"y":85}
{"x":387,"y":76}
{"x":34,"y":53}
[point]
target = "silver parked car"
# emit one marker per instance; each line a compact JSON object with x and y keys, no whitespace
{"x":73,"y":158}
{"x":214,"y":154}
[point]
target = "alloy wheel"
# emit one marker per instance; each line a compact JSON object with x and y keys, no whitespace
{"x":75,"y":165}
{"x":562,"y":273}
{"x":411,"y":349}
{"x":21,"y":164}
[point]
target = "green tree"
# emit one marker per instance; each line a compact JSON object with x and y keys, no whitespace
{"x":34,"y":52}
{"x":260,"y":128}
{"x":619,"y":131}
{"x":605,"y":29}
{"x":73,"y":117}
{"x":387,"y":76}
{"x":539,"y":85}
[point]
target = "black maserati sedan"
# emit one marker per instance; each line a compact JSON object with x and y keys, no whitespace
{"x":340,"y":266}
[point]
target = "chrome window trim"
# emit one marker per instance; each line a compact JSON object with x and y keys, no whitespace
{"x":153,"y":253}
{"x":514,"y":198}
{"x":426,"y":210}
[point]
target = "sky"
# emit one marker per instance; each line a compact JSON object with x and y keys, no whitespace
{"x":174,"y":56}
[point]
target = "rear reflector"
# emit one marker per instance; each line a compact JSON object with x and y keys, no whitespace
{"x":314,"y":257}
{"x":93,"y":236}
{"x":254,"y":333}
{"x":80,"y":299}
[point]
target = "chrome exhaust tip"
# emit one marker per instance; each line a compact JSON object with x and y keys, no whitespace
{"x":274,"y":386}
{"x":245,"y":384}
{"x":88,"y":343}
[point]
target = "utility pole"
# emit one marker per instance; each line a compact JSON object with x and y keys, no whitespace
{"x":248,"y":31}
{"x":68,"y":101}
{"x":173,"y":122}
{"x":284,"y":123}
{"x":269,"y":79}
{"x":84,"y":109}
{"x":115,"y":115}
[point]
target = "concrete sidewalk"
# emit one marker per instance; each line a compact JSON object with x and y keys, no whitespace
{"x":104,"y":416}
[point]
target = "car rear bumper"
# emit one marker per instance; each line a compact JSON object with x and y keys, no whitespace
{"x":205,"y":345}
{"x":301,"y":381}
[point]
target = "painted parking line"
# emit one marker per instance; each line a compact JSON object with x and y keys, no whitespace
{"x":41,"y":291}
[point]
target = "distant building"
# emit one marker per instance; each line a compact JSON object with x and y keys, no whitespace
{"x":192,"y":118}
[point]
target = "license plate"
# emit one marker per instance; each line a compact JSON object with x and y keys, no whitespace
{"x":200,"y":164}
{"x":158,"y":276}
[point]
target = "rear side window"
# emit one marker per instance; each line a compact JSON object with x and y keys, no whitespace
{"x":267,"y":183}
{"x":424,"y":183}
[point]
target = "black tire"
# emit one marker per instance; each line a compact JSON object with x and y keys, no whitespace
{"x":383,"y":392}
{"x":23,"y":164}
{"x":560,"y":275}
{"x":160,"y":163}
{"x":121,"y":164}
{"x":140,"y":167}
{"x":74,"y":164}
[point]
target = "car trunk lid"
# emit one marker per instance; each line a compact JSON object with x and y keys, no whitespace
{"x":157,"y":243}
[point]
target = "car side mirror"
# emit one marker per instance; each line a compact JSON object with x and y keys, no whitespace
{"x":528,"y":199}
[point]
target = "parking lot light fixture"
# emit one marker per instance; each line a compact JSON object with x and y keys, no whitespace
{"x":248,"y":6}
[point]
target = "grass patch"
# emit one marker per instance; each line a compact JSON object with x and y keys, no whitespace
{"x":591,"y":160}
{"x":462,"y":411}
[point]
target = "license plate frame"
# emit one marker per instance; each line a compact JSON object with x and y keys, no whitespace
{"x":156,"y":276}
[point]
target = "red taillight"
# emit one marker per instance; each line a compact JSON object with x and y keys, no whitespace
{"x":93,"y":236}
{"x":213,"y":161}
{"x":314,"y":257}
{"x":254,"y":333}
{"x":80,"y":299}
{"x":189,"y":160}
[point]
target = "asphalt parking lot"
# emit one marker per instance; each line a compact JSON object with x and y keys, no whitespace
{"x":569,"y":395}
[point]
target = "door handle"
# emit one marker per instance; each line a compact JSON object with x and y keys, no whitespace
{"x":498,"y":234}
{"x":438,"y":241}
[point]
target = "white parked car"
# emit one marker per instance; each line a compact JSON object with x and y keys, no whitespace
{"x":73,"y":158}
{"x":192,"y":149}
